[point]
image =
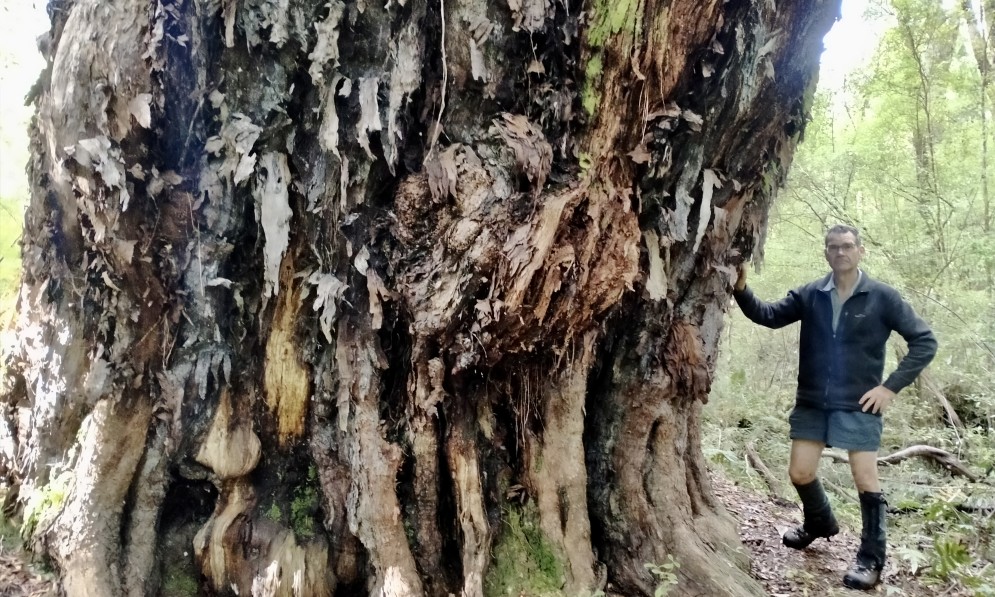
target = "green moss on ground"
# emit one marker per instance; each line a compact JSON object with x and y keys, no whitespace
{"x":178,"y":583}
{"x":524,"y":561}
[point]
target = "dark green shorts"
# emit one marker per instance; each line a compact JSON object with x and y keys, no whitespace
{"x":851,"y":430}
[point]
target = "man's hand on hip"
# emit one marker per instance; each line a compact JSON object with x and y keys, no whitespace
{"x":877,"y":399}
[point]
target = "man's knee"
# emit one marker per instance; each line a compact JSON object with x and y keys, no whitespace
{"x":801,"y":475}
{"x":864,"y":467}
{"x":866,"y":481}
{"x":804,"y":461}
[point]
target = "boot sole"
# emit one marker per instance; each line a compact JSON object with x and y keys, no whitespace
{"x":852,"y":584}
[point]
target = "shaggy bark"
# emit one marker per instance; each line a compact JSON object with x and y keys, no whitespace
{"x":316,"y":293}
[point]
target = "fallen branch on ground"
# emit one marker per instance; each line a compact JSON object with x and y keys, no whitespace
{"x":941,"y":457}
{"x":757,"y":464}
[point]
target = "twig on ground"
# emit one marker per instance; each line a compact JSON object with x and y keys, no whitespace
{"x":757,"y":463}
{"x":840,"y":490}
{"x":940,"y":456}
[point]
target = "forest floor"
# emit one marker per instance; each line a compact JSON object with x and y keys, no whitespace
{"x":816,"y":571}
{"x":18,"y":578}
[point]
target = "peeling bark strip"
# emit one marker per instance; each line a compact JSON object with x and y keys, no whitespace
{"x":316,"y":293}
{"x":285,"y":379}
{"x":476,"y":536}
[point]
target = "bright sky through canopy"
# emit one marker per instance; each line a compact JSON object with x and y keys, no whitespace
{"x":850,"y":44}
{"x":21,"y":22}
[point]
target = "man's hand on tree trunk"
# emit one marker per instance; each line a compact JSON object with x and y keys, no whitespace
{"x":740,"y":277}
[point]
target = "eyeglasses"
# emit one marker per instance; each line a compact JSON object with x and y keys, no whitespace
{"x":845,"y":247}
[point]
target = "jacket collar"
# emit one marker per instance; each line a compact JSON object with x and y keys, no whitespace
{"x":828,"y":283}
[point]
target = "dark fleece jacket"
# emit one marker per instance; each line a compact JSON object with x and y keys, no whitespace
{"x":835,"y":369}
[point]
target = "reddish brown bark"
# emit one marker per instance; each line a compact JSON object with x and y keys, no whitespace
{"x":315,"y":292}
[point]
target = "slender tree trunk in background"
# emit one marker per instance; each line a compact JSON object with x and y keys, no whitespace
{"x":980,"y":31}
{"x":316,"y":295}
{"x":923,"y":142}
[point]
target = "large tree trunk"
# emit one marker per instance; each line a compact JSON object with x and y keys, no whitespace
{"x":328,"y":298}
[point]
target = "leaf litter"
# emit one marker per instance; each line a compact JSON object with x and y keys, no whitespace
{"x":817,"y":570}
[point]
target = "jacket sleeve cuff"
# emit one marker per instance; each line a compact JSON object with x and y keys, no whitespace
{"x":745,"y":293}
{"x":894,"y":385}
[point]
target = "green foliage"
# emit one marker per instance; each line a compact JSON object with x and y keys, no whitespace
{"x":45,"y":503}
{"x":19,"y":69}
{"x":11,"y":221}
{"x":524,"y":562}
{"x":8,"y":533}
{"x":178,"y":583}
{"x":951,"y":556}
{"x":304,"y":506}
{"x":665,"y":575}
{"x":12,"y":546}
{"x":910,"y":558}
{"x":957,"y":539}
{"x":273,"y":512}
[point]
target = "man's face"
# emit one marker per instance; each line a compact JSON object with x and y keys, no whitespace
{"x":843,"y":253}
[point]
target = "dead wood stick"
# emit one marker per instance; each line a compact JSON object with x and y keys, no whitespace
{"x":940,"y":456}
{"x":840,"y":490}
{"x":952,"y":416}
{"x":757,"y":463}
{"x":936,"y":392}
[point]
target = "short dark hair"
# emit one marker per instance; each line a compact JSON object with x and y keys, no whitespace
{"x":843,"y":229}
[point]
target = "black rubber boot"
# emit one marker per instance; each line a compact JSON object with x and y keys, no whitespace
{"x":866,"y":573}
{"x":819,"y":519}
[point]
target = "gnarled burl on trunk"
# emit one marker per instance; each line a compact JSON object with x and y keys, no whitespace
{"x":415,"y":298}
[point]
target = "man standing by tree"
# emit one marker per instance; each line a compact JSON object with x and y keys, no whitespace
{"x":846,"y":320}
